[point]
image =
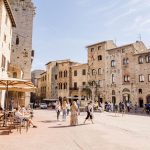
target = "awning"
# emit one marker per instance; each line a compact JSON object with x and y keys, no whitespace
{"x":50,"y":100}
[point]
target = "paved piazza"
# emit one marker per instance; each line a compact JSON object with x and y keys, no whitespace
{"x":109,"y":132}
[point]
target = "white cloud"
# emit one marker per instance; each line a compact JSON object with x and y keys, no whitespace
{"x":121,"y":16}
{"x":105,"y":8}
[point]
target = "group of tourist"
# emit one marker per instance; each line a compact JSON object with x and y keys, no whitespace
{"x":24,"y":114}
{"x":21,"y":114}
{"x":74,"y":110}
{"x":121,"y":107}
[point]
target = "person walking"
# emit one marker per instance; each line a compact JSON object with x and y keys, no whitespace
{"x":64,"y":110}
{"x":89,"y":112}
{"x":116,"y":109}
{"x":68,"y":108}
{"x":74,"y":114}
{"x":78,"y":104}
{"x":128,"y":107}
{"x":123,"y":108}
{"x":58,"y":109}
{"x":135,"y":107}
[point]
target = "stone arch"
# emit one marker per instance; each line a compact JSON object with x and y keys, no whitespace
{"x":126,"y":90}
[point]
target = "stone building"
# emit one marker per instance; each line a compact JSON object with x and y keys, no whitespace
{"x":21,"y":51}
{"x":113,"y":73}
{"x":36,"y":74}
{"x":35,"y":78}
{"x":96,"y":68}
{"x":52,"y":74}
{"x":64,"y":78}
{"x":43,"y":85}
{"x":7,"y":22}
{"x":141,"y":86}
{"x":119,"y":73}
{"x":79,"y":81}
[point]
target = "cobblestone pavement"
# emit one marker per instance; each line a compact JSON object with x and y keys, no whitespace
{"x":109,"y":132}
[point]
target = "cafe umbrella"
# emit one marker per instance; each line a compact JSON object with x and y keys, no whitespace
{"x":14,"y":84}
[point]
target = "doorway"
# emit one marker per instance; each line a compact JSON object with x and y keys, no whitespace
{"x":148,"y":99}
{"x":141,"y":103}
{"x":113,"y":100}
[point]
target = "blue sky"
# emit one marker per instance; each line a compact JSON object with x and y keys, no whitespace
{"x":62,"y":28}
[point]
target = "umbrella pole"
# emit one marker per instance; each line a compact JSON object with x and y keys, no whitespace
{"x":17,"y":100}
{"x":7,"y":96}
{"x":6,"y":103}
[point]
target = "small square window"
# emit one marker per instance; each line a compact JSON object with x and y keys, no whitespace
{"x":92,"y":49}
{"x":99,"y":47}
{"x":75,"y":73}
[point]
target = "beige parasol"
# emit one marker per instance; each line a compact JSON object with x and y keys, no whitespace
{"x":14,"y":84}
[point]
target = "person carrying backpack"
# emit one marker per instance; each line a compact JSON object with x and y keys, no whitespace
{"x":89,"y":112}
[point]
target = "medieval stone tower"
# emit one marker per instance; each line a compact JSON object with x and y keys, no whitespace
{"x":21,"y":52}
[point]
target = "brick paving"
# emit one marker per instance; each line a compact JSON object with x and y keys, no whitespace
{"x":109,"y":132}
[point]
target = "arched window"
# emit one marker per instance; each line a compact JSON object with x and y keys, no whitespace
{"x":60,"y":85}
{"x":60,"y":74}
{"x":65,"y":73}
{"x":64,"y":86}
{"x":14,"y":74}
{"x":113,"y":78}
{"x":17,"y":40}
{"x":126,"y":78}
{"x":141,"y":60}
{"x":113,"y":92}
{"x":147,"y":59}
{"x":93,"y":72}
{"x":141,"y":78}
{"x":125,"y":61}
{"x":99,"y":71}
{"x":113,"y":63}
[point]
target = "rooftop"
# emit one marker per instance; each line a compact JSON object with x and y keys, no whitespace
{"x":98,"y":43}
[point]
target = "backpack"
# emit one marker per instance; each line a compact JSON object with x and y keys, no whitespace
{"x":86,"y":108}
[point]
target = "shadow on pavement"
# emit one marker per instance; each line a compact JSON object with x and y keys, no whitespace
{"x":68,"y":126}
{"x":114,"y":115}
{"x":49,"y":121}
{"x":4,"y":133}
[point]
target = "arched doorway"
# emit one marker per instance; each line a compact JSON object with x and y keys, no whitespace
{"x":126,"y":95}
{"x":148,"y":99}
{"x":113,"y":100}
{"x":141,"y":102}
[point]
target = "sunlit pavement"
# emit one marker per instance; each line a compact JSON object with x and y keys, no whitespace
{"x":109,"y":132}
